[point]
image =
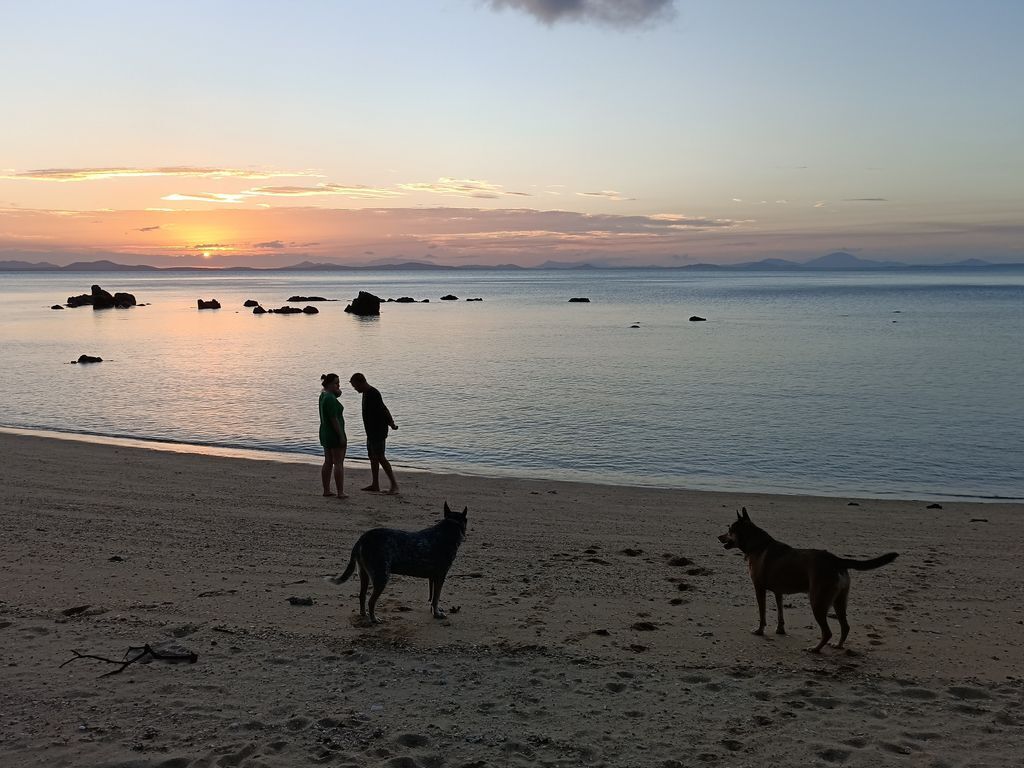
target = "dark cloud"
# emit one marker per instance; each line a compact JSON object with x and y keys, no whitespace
{"x":203,"y":246}
{"x":615,"y":13}
{"x":148,"y":229}
{"x":269,"y":244}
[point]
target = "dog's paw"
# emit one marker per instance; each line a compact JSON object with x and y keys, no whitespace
{"x":759,"y":631}
{"x":780,"y":631}
{"x":439,"y":614}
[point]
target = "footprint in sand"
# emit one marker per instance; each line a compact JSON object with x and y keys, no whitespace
{"x":834,"y":755}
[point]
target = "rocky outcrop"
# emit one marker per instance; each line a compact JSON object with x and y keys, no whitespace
{"x":251,"y":303}
{"x":57,"y":306}
{"x":310,"y":310}
{"x":364,"y":305}
{"x":405,"y":300}
{"x":87,"y":359}
{"x":258,"y":310}
{"x":474,"y":299}
{"x":579,"y":300}
{"x":307,"y":298}
{"x":697,"y":319}
{"x":450,"y":297}
{"x":98,"y":298}
{"x":285,"y":311}
{"x":102,"y":299}
{"x":211,"y":304}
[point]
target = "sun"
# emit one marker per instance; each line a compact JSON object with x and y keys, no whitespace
{"x":206,"y":254}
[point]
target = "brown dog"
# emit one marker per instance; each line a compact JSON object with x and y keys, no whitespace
{"x":779,"y":568}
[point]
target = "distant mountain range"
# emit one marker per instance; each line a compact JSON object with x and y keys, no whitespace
{"x":835,"y":261}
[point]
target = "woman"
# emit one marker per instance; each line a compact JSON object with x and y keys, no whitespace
{"x":332,"y":434}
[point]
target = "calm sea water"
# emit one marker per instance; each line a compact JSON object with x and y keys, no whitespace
{"x":903,"y":384}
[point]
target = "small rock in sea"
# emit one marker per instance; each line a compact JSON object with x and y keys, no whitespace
{"x":102,"y":299}
{"x":634,"y":326}
{"x":124,"y":300}
{"x":307,"y":298}
{"x":285,"y":311}
{"x":579,"y":300}
{"x":697,"y":319}
{"x":300,"y":600}
{"x":425,"y":301}
{"x":404,"y":300}
{"x":258,"y":310}
{"x":449,"y":297}
{"x":211,"y":304}
{"x":310,"y":311}
{"x":474,"y":299}
{"x":88,"y":359}
{"x":364,"y":305}
{"x":56,"y":306}
{"x":934,"y":506}
{"x":251,"y":303}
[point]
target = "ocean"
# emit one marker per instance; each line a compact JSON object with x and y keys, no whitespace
{"x":902,"y":383}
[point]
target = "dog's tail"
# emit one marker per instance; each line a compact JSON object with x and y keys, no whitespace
{"x":868,"y":565}
{"x":343,"y":577}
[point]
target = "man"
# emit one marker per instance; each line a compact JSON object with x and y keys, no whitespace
{"x":376,"y":420}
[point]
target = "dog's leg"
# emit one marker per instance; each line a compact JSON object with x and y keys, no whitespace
{"x":780,"y":628}
{"x":430,"y":598}
{"x":380,"y":580}
{"x":762,"y":596}
{"x":820,"y":602}
{"x":435,"y":597}
{"x":840,"y":605}
{"x":364,"y":583}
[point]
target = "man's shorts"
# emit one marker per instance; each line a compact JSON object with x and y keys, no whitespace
{"x":375,"y":445}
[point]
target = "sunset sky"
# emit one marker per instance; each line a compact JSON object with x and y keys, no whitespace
{"x":493,"y":131}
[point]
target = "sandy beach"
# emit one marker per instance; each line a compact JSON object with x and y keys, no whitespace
{"x":588,"y":625}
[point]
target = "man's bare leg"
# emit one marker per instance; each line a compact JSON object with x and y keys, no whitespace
{"x":391,"y":475}
{"x":374,"y":485}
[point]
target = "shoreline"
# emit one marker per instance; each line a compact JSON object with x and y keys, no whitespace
{"x":299,"y":457}
{"x":587,"y":624}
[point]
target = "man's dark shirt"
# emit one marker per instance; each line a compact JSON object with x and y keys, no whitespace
{"x":375,"y":415}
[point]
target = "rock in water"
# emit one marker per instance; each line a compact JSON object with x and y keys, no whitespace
{"x":364,"y":305}
{"x":124,"y":300}
{"x":310,"y":311}
{"x":405,"y":300}
{"x":88,"y":359}
{"x":579,"y":300}
{"x":286,"y":311}
{"x":697,"y":319}
{"x":258,"y":310}
{"x":307,"y":298}
{"x":80,"y":300}
{"x":251,"y":303}
{"x":56,"y":306}
{"x":102,"y":299}
{"x":449,"y":297}
{"x":211,"y":304}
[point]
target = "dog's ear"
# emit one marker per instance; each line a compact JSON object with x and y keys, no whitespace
{"x":447,"y":509}
{"x":465,"y":511}
{"x":739,"y":516}
{"x":745,"y":515}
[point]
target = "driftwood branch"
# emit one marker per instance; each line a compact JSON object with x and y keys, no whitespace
{"x":144,"y":651}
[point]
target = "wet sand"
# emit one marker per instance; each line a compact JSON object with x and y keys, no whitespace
{"x":589,"y":625}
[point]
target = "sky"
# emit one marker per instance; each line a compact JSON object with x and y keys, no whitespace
{"x":625,"y":132}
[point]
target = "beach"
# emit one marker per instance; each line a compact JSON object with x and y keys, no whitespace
{"x":588,"y":624}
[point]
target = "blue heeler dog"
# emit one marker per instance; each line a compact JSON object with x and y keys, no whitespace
{"x":427,"y":554}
